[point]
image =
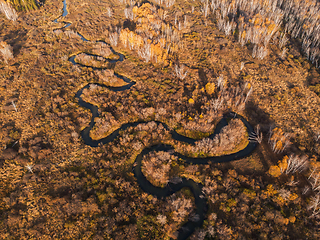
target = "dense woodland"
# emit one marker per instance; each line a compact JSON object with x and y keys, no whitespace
{"x":192,"y":62}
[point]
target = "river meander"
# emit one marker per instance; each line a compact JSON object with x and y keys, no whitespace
{"x":173,"y":186}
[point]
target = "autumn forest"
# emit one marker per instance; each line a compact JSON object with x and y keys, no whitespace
{"x":159,"y":119}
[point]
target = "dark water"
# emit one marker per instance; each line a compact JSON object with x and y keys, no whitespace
{"x":65,"y":13}
{"x":173,"y":186}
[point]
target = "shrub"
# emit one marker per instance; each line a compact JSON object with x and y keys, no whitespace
{"x":210,"y":87}
{"x":6,"y":51}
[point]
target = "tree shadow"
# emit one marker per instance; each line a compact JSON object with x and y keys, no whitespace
{"x":258,"y":116}
{"x":16,"y":39}
{"x":202,"y":75}
{"x":263,"y":153}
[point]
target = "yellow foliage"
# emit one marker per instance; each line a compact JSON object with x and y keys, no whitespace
{"x":143,"y":10}
{"x":243,"y":34}
{"x":158,"y":52}
{"x":124,"y":36}
{"x":274,"y":171}
{"x":129,"y":37}
{"x":191,"y":101}
{"x":270,"y":190}
{"x":271,"y":28}
{"x":150,"y":17}
{"x":280,"y":200}
{"x":250,"y":193}
{"x":279,"y":138}
{"x":210,"y":87}
{"x":257,"y":21}
{"x":146,"y":17}
{"x":293,"y":197}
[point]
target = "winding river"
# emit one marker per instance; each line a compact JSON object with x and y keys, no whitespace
{"x":173,"y":186}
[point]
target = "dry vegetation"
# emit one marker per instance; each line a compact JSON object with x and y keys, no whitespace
{"x":156,"y":167}
{"x":192,"y":61}
{"x":8,"y":11}
{"x":227,"y":141}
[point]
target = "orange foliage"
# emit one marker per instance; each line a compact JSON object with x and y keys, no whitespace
{"x":277,"y":170}
{"x":278,"y":140}
{"x":283,"y":164}
{"x":292,"y":219}
{"x":149,"y":28}
{"x":274,"y":171}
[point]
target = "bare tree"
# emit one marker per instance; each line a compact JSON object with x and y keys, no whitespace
{"x":296,"y":163}
{"x":283,"y":40}
{"x":259,"y":52}
{"x":317,"y":136}
{"x":145,"y":51}
{"x":180,"y":72}
{"x":8,"y":11}
{"x":314,"y":179}
{"x":305,"y":190}
{"x":6,"y":51}
{"x":221,"y":82}
{"x":256,"y":136}
{"x":29,"y":167}
{"x":129,"y":13}
{"x":14,"y":105}
{"x":114,"y":37}
{"x":162,"y":219}
{"x":314,"y":205}
{"x":283,"y":53}
{"x":248,"y":94}
{"x":205,"y":9}
{"x":167,"y":3}
{"x":242,"y":66}
{"x":109,"y":12}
